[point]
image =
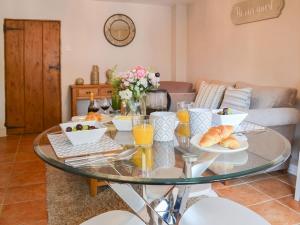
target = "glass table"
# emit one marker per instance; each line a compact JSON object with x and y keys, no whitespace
{"x":157,"y":182}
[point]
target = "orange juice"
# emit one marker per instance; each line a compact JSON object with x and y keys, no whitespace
{"x":183,"y":130}
{"x":183,"y":116}
{"x":143,"y":158}
{"x":143,"y":134}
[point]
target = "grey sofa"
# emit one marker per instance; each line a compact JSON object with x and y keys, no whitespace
{"x":273,"y":107}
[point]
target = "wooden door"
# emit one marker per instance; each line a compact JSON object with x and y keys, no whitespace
{"x":32,"y":75}
{"x":51,"y":78}
{"x":14,"y":75}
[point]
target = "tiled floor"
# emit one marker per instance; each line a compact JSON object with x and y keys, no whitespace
{"x":23,"y":189}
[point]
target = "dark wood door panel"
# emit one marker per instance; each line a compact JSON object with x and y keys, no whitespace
{"x":14,"y":74}
{"x":33,"y":59}
{"x":51,"y":73}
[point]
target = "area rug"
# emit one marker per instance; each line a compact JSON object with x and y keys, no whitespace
{"x":69,"y":202}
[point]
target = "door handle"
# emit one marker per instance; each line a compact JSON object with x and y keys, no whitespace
{"x":56,"y":67}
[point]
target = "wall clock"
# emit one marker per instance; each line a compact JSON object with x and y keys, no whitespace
{"x":119,"y":30}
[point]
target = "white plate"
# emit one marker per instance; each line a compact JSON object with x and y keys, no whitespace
{"x":218,"y":148}
{"x":105,"y":118}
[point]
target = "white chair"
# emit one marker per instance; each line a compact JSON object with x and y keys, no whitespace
{"x":116,"y":217}
{"x":220,"y":211}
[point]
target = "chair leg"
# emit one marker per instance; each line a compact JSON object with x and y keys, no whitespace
{"x":94,"y":184}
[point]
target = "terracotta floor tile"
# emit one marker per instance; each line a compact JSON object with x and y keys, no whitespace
{"x":8,"y":148}
{"x":2,"y":194}
{"x":256,"y":177}
{"x":243,"y":194}
{"x":27,"y":178}
{"x":10,"y":139}
{"x":276,"y":213}
{"x":40,"y":222}
{"x":5,"y":173}
{"x":288,"y":178}
{"x":218,"y":185}
{"x":278,"y":173}
{"x":25,"y":193}
{"x":26,"y":213}
{"x":38,"y":165}
{"x":26,"y":156}
{"x":290,"y":202}
{"x":5,"y":168}
{"x":26,"y":148}
{"x":273,"y":187}
{"x":7,"y":157}
{"x":228,"y":183}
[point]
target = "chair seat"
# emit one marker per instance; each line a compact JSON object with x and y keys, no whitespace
{"x":220,"y":211}
{"x":115,"y":217}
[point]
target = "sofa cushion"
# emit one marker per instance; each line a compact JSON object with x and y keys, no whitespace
{"x":237,"y":98}
{"x":270,"y":97}
{"x":210,"y":95}
{"x":199,"y":81}
{"x":176,"y":86}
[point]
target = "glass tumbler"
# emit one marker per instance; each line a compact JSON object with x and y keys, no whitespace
{"x":143,"y":130}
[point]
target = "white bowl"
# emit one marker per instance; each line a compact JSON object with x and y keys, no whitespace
{"x":123,"y":123}
{"x":84,"y":136}
{"x":233,"y":119}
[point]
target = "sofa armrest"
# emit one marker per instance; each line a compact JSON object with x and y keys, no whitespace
{"x":179,"y":97}
{"x":274,"y":116}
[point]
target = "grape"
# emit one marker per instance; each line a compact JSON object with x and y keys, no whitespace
{"x":79,"y":127}
{"x":68,"y":129}
{"x":85,"y":127}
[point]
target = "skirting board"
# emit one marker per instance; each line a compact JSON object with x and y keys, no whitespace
{"x":2,"y":132}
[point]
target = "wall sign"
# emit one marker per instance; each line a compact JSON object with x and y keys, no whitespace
{"x":255,"y":10}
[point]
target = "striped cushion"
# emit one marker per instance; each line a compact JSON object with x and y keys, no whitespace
{"x":239,"y":99}
{"x":209,"y":95}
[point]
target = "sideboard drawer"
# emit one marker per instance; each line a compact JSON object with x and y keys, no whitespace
{"x":86,"y":92}
{"x":105,"y":91}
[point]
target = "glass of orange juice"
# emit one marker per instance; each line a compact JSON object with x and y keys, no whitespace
{"x":182,"y":111}
{"x":183,"y":129}
{"x":143,"y":130}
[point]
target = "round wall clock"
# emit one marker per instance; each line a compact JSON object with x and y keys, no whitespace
{"x":119,"y":30}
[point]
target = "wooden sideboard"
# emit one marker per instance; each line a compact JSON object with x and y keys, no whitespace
{"x":82,"y":92}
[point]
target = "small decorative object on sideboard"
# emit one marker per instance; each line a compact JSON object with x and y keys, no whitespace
{"x":79,"y":81}
{"x":95,"y":75}
{"x":110,"y":74}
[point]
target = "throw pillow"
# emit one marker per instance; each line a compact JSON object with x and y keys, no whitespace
{"x":239,"y":99}
{"x":209,"y":95}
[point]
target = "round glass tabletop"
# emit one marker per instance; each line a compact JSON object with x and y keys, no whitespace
{"x":169,"y":163}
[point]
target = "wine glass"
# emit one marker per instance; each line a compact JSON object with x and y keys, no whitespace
{"x":105,"y":104}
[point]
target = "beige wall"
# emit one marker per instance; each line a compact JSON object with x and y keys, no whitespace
{"x":84,"y":44}
{"x":265,"y":52}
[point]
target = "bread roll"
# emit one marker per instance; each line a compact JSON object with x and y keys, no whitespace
{"x":93,"y":116}
{"x":230,"y":142}
{"x":215,"y":135}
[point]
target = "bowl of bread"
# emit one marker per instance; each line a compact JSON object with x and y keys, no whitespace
{"x":220,"y":139}
{"x":228,"y":116}
{"x":92,"y":116}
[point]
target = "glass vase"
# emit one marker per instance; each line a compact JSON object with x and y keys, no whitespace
{"x":137,"y":106}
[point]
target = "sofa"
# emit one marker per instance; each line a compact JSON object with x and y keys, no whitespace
{"x":273,"y":107}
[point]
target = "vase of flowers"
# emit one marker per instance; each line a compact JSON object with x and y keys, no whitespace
{"x":134,"y":85}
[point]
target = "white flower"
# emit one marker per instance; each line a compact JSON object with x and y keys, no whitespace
{"x":144,"y":82}
{"x":151,"y":76}
{"x":126,"y":94}
{"x":126,"y":83}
